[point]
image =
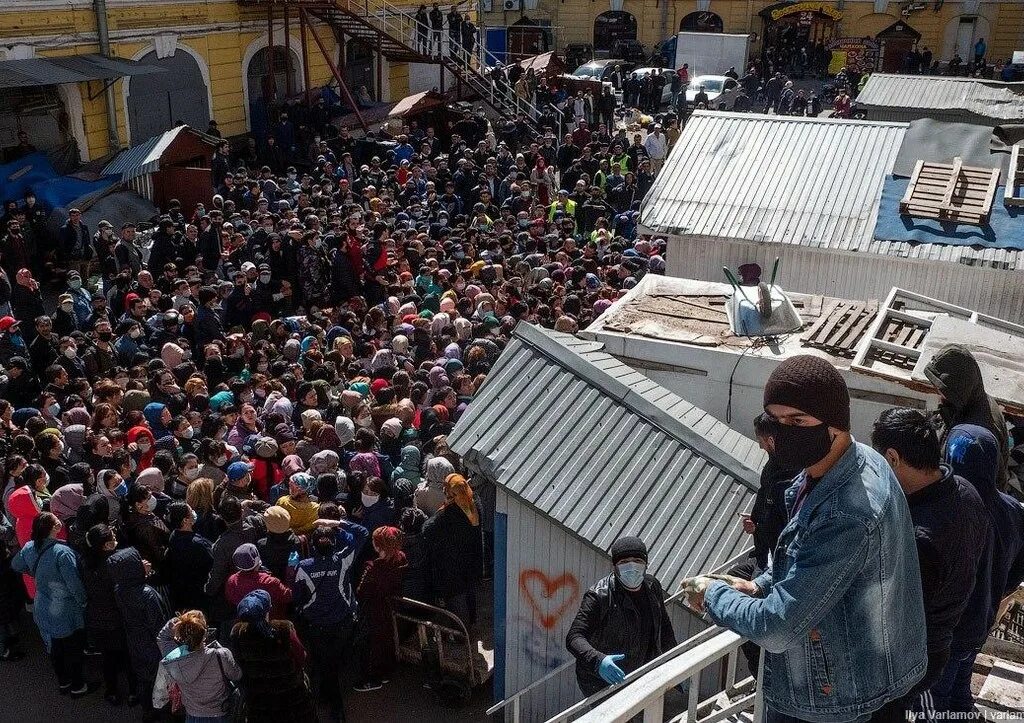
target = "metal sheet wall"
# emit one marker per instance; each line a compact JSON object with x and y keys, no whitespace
{"x":547,"y":572}
{"x":854,"y":276}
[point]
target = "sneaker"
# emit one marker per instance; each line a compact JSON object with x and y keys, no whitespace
{"x":367,"y":686}
{"x":64,"y":688}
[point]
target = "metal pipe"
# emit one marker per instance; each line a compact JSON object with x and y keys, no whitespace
{"x":272,"y":79}
{"x":304,"y":28}
{"x":334,"y":71}
{"x":113,"y":139}
{"x":289,"y":89}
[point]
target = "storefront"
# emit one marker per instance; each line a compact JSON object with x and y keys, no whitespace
{"x":856,"y":53}
{"x":798,"y":24}
{"x":897,"y":41}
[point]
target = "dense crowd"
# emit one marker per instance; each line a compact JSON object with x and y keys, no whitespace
{"x":225,"y":437}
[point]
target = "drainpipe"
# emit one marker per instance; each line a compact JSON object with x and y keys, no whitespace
{"x":113,"y":141}
{"x":664,"y":21}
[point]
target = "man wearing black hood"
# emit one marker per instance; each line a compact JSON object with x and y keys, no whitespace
{"x":622,"y":622}
{"x":957,"y":377}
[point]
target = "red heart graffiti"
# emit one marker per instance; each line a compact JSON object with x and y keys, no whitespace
{"x":549,"y":587}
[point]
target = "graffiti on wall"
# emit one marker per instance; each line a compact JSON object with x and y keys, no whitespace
{"x":552,"y":600}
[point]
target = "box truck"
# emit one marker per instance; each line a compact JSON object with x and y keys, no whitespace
{"x":711,"y":53}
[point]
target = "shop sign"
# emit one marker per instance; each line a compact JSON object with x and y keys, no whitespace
{"x":807,"y":7}
{"x":861,"y":53}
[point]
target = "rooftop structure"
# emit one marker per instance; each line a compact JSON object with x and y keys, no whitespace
{"x":824,"y":195}
{"x":896,"y":97}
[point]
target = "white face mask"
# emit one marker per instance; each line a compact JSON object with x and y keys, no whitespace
{"x":144,"y":446}
{"x":68,"y":306}
{"x":71,"y":352}
{"x":220,"y":461}
{"x":369,"y":500}
{"x":191,"y":473}
{"x":151,"y":503}
{"x":631,"y":574}
{"x":187,"y":434}
{"x":365,"y":422}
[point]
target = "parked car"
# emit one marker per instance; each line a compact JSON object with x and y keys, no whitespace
{"x":714,"y":86}
{"x":666,"y":93}
{"x":602,"y":70}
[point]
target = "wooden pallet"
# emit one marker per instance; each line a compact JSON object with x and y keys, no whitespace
{"x":840,"y":327}
{"x":1014,"y":178}
{"x":951,"y":192}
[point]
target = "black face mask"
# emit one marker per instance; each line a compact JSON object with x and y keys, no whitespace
{"x":104,"y":336}
{"x":798,"y":448}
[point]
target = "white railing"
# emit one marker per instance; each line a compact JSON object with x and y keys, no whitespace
{"x":644,"y":690}
{"x":514,"y":701}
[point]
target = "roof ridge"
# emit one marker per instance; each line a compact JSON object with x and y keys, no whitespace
{"x":549,"y":345}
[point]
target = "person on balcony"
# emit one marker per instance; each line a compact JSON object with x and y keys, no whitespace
{"x":839,"y":612}
{"x":622,"y":622}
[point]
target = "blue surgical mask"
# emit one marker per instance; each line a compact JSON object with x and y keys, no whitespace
{"x":122,"y":489}
{"x":631,"y":574}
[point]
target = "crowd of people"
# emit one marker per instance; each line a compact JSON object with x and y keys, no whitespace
{"x":224,"y":437}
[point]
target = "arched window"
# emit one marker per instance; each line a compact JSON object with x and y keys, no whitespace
{"x":611,"y":26}
{"x":702,"y":22}
{"x":272,"y":86}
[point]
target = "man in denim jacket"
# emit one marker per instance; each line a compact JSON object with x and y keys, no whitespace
{"x":839,"y":612}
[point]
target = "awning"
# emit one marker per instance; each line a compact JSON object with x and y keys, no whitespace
{"x":28,"y":72}
{"x":418,"y":103}
{"x":143,"y":158}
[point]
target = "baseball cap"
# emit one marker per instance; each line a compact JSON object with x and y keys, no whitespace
{"x":238,"y":470}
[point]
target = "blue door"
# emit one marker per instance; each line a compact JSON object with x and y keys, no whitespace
{"x":495,"y":40}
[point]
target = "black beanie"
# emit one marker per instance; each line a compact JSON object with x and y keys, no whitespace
{"x":628,"y":547}
{"x":813,"y":386}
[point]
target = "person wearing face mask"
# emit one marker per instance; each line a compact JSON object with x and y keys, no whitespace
{"x":840,"y":612}
{"x":622,"y":622}
{"x":143,"y":530}
{"x":60,"y":603}
{"x":189,"y":559}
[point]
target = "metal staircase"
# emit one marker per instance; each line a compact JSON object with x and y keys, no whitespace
{"x":392,"y":29}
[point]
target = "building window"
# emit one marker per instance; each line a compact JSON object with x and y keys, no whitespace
{"x":702,"y":22}
{"x":611,"y":26}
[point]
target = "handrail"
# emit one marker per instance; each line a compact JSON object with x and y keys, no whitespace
{"x":664,"y":657}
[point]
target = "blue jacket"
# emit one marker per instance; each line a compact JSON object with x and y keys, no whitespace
{"x":974,"y":454}
{"x":842,"y":616}
{"x":59,"y":608}
{"x":323,"y":592}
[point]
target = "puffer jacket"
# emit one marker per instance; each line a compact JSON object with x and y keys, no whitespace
{"x":143,"y":608}
{"x":956,"y":375}
{"x":201,"y":675}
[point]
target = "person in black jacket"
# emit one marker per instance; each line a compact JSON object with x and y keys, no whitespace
{"x":622,"y":622}
{"x":104,"y":625}
{"x":189,"y":559}
{"x":455,"y":549}
{"x":951,"y":526}
{"x":344,"y":278}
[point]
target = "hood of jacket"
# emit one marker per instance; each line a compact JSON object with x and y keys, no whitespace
{"x":185,"y":665}
{"x":126,"y":568}
{"x":957,"y":376}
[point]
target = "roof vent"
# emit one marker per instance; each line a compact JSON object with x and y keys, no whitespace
{"x":756,"y":308}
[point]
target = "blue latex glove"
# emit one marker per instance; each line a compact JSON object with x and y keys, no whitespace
{"x":611,"y":673}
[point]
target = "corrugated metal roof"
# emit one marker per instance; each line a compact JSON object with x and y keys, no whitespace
{"x":25,"y":72}
{"x":143,"y":158}
{"x":803,"y":181}
{"x":807,"y":181}
{"x":604,"y":451}
{"x":991,"y":99}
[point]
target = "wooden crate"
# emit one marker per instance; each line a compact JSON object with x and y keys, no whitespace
{"x":951,"y":192}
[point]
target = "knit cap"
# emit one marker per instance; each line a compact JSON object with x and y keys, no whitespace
{"x":813,"y":386}
{"x":626,"y":547}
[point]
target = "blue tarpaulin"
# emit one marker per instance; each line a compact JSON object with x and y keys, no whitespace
{"x":52,"y":190}
{"x":1005,"y":229}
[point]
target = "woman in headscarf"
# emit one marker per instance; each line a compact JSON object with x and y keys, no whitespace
{"x":455,"y":546}
{"x":272,"y":660}
{"x":430,"y":493}
{"x":158,"y":416}
{"x":381,"y":581}
{"x":24,"y":506}
{"x":144,"y":611}
{"x":145,"y":446}
{"x":104,"y":626}
{"x":60,"y":603}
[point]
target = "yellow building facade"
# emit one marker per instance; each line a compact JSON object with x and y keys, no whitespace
{"x":215,"y":52}
{"x":526,"y":26}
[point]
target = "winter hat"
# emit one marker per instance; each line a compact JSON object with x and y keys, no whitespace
{"x":305,"y":482}
{"x":345,"y":428}
{"x":246,"y":557}
{"x":813,"y":386}
{"x":152,"y":479}
{"x":625,"y":547}
{"x":292,"y":464}
{"x":253,"y":608}
{"x":277,"y":519}
{"x":265,"y":447}
{"x":392,"y":428}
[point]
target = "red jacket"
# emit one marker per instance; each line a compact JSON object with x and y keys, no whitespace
{"x":242,"y":583}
